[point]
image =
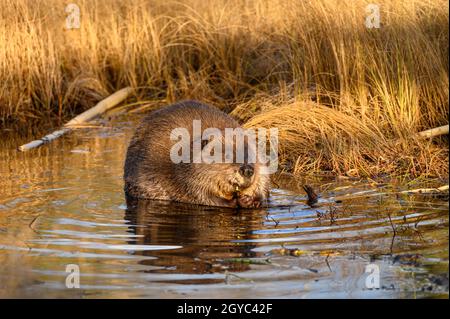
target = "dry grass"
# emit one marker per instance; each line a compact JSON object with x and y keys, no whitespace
{"x":315,"y":138}
{"x":266,"y":60}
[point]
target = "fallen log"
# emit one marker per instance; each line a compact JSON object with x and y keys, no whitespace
{"x":100,"y":108}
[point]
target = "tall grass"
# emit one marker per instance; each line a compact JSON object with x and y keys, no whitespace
{"x":377,"y":85}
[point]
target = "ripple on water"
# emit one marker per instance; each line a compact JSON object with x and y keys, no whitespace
{"x":73,"y":211}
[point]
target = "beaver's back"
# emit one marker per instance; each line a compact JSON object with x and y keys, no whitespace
{"x":149,"y":171}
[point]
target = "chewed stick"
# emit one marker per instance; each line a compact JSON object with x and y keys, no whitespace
{"x":101,"y":107}
{"x":441,"y":130}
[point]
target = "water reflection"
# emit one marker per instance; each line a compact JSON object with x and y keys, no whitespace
{"x":206,"y":235}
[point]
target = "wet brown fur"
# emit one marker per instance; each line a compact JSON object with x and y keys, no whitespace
{"x":151,"y":174}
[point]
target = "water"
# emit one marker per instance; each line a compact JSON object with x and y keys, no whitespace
{"x":62,"y":205}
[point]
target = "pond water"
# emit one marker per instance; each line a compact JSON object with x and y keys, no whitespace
{"x":62,"y":206}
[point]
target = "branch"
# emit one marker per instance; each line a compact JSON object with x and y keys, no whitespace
{"x":101,"y":107}
{"x":441,"y":130}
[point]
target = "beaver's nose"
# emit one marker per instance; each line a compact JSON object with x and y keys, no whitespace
{"x":246,"y":170}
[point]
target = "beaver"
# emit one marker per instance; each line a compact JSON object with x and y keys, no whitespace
{"x":150,"y":172}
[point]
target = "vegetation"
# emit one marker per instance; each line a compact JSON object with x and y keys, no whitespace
{"x":345,"y":97}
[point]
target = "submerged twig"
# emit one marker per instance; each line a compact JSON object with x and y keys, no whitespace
{"x":31,"y":224}
{"x":394,"y":229}
{"x":275,"y":221}
{"x":328,"y":263}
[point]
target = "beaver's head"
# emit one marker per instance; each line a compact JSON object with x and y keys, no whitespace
{"x":236,"y":181}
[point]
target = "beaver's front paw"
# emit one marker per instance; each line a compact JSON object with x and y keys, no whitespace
{"x":246,"y":201}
